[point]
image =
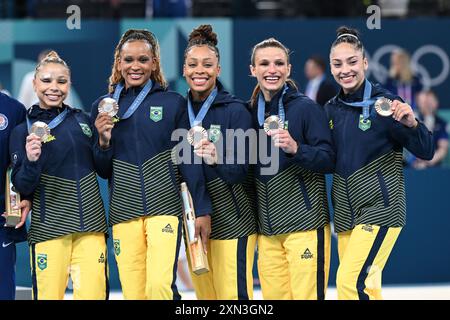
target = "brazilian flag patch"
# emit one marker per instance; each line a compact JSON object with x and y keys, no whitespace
{"x":156,"y":113}
{"x":86,"y":129}
{"x":42,"y":261}
{"x":214,"y":133}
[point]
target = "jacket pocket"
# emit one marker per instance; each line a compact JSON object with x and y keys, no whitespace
{"x":304,"y":192}
{"x":42,"y":202}
{"x":383,"y":188}
{"x":172,"y":174}
{"x":235,"y":202}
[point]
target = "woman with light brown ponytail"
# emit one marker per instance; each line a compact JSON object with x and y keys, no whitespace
{"x":294,"y":232}
{"x":133,"y":146}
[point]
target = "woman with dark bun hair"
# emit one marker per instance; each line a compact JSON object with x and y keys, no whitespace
{"x":53,"y":164}
{"x":134,"y":125}
{"x":370,"y":126}
{"x":293,"y":218}
{"x":233,"y":227}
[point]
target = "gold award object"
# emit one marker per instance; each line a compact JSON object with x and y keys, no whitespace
{"x":12,"y":199}
{"x":383,"y":107}
{"x":109,"y":106}
{"x":41,"y":129}
{"x":195,"y":134}
{"x":197,"y":256}
{"x":273,"y":123}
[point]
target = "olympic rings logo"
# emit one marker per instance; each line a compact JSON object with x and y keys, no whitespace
{"x":381,"y":73}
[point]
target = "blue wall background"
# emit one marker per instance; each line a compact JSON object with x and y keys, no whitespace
{"x":422,"y":254}
{"x":89,"y":51}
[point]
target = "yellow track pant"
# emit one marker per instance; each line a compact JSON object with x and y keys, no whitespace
{"x":363,"y":253}
{"x":146,"y":251}
{"x":230,"y":276}
{"x":294,"y":266}
{"x":82,"y":256}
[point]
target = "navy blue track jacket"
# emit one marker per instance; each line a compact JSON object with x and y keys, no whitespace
{"x":142,"y":177}
{"x":12,"y":112}
{"x":233,"y":213}
{"x":63,"y":181}
{"x":368,"y":184}
{"x":294,"y":197}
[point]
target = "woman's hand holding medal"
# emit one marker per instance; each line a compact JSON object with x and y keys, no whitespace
{"x":104,"y":124}
{"x":207,"y":150}
{"x":282,"y":139}
{"x":33,"y":147}
{"x":403,"y":113}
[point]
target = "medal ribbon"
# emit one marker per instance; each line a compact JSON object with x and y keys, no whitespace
{"x":194,"y":121}
{"x":366,"y":103}
{"x":137,"y":102}
{"x":52,"y":124}
{"x":262,"y":106}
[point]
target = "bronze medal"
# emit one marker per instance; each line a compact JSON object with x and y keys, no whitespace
{"x":41,"y":129}
{"x":109,"y":106}
{"x":195,"y":134}
{"x":383,"y":107}
{"x":273,"y":123}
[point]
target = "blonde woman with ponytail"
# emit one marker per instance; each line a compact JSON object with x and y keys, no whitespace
{"x":134,"y":149}
{"x":53,"y":165}
{"x":294,"y":232}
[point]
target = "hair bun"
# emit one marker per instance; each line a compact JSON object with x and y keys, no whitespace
{"x":205,"y":33}
{"x":52,"y":55}
{"x":347,"y":30}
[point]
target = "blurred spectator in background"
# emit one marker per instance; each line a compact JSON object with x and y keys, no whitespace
{"x":402,"y":80}
{"x":168,"y":8}
{"x":318,"y":88}
{"x":394,"y":8}
{"x":428,"y":104}
{"x":27,"y":96}
{"x":3,"y":90}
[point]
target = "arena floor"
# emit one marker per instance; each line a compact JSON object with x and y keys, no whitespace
{"x":422,"y":292}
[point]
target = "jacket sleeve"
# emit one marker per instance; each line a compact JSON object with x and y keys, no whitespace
{"x":191,"y":168}
{"x":418,"y":140}
{"x":102,"y":157}
{"x":235,"y":147}
{"x":25,"y":174}
{"x":315,"y":151}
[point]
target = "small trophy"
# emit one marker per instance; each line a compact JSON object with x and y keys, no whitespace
{"x":383,"y":107}
{"x":273,"y":123}
{"x":198,"y":258}
{"x":195,"y":134}
{"x":12,"y":200}
{"x":42,"y":130}
{"x":109,"y":106}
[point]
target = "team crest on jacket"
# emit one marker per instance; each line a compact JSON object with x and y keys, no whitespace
{"x":156,"y":113}
{"x":214,"y":133}
{"x":364,"y":124}
{"x":42,"y":261}
{"x":86,"y":129}
{"x":3,"y":121}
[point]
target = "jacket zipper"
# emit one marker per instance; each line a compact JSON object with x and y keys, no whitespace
{"x":352,"y":214}
{"x":77,"y":179}
{"x":139,"y":156}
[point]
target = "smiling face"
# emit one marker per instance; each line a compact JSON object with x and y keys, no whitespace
{"x":348,"y":66}
{"x":271,"y":68}
{"x":201,"y":69}
{"x":136,"y":63}
{"x":51,"y":84}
